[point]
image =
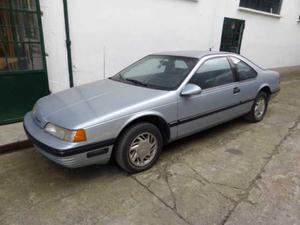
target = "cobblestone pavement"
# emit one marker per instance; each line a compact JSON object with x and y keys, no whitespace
{"x":237,"y":173}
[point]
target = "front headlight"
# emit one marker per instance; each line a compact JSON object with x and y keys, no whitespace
{"x":66,"y":134}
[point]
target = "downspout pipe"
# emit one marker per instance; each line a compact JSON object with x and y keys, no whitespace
{"x":68,"y":43}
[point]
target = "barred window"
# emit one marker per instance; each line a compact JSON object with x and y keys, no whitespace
{"x":20,"y":44}
{"x":270,"y":6}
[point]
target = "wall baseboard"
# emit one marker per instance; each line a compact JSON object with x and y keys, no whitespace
{"x":290,"y":70}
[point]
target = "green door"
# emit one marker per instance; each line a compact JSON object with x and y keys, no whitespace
{"x":232,"y":35}
{"x":23,"y":74}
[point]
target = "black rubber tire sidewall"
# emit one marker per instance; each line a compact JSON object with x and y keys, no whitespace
{"x":251,"y":115}
{"x":124,"y":141}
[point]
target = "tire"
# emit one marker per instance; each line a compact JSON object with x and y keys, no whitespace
{"x":253,"y":116}
{"x":138,"y":148}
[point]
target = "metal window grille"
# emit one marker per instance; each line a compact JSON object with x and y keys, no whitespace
{"x":271,"y":6}
{"x":20,"y":36}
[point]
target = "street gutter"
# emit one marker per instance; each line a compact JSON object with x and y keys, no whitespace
{"x":13,"y":147}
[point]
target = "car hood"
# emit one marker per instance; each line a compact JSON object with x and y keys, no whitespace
{"x":94,"y":103}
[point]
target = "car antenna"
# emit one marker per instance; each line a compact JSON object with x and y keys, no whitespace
{"x":104,"y":56}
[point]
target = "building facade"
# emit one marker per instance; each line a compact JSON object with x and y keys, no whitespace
{"x":48,"y":46}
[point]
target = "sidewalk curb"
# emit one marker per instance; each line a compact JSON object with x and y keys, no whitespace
{"x":16,"y":146}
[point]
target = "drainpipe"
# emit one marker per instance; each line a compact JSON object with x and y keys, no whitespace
{"x":68,"y":43}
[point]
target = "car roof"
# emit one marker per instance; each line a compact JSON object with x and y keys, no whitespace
{"x":192,"y":54}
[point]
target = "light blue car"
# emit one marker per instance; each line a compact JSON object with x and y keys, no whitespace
{"x":157,"y":100}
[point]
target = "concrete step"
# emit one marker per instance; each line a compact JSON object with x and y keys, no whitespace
{"x":12,"y":137}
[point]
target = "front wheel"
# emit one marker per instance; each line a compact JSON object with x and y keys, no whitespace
{"x":139,"y":147}
{"x":258,"y":109}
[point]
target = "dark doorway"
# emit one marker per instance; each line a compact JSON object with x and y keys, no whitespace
{"x":232,"y":35}
{"x":23,"y":74}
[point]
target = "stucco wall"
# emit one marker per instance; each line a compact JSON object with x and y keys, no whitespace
{"x":54,"y":35}
{"x":108,"y":35}
{"x":271,"y":42}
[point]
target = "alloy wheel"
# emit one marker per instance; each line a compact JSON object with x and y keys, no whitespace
{"x":260,"y":107}
{"x":143,"y":149}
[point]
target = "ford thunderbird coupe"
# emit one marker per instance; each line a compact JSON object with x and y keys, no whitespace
{"x":156,"y":100}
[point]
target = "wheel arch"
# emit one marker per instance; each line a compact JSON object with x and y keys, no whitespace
{"x":265,"y":88}
{"x":151,"y":117}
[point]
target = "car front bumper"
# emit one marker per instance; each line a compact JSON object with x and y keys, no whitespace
{"x":67,"y":154}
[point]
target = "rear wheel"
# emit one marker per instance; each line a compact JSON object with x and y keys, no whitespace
{"x":139,"y":147}
{"x":258,"y":109}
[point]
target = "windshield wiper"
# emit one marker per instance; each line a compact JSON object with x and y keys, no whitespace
{"x":136,"y":82}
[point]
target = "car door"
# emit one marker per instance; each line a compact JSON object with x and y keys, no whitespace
{"x":217,"y":102}
{"x":248,"y":82}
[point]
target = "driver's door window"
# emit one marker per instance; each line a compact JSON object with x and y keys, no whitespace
{"x":213,"y":73}
{"x":244,"y":71}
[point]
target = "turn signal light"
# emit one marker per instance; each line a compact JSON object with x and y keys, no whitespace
{"x":79,"y":136}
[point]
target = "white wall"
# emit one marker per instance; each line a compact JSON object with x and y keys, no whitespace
{"x":131,"y":29}
{"x":124,"y":31}
{"x":54,"y":35}
{"x":269,"y":41}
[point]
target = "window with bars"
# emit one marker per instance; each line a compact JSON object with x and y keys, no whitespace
{"x":20,"y":32}
{"x":270,"y":6}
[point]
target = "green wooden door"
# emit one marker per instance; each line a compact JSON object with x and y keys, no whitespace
{"x":23,"y":74}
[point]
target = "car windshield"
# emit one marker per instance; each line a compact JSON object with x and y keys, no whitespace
{"x":158,"y":72}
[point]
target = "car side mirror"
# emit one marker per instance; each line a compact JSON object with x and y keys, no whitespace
{"x":191,"y":89}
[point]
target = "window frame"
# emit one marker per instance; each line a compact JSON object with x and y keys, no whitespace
{"x":237,"y":75}
{"x":263,"y":11}
{"x":36,"y":12}
{"x":235,"y":78}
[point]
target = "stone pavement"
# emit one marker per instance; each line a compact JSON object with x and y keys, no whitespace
{"x":237,"y":173}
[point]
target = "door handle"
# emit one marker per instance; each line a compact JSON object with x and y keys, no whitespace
{"x":236,"y":90}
